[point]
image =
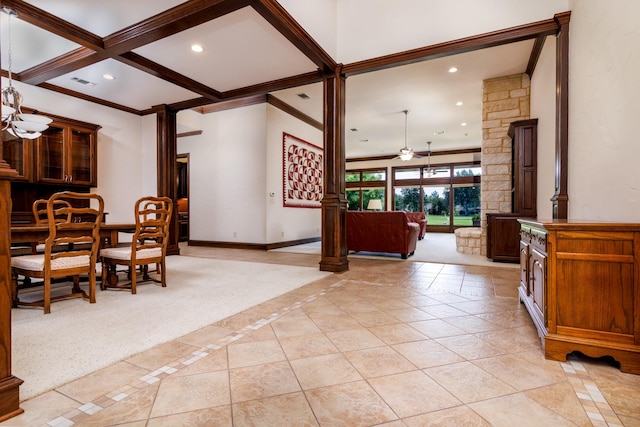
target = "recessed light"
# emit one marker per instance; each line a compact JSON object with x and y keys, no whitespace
{"x":463,"y":124}
{"x":459,"y":103}
{"x":108,"y":77}
{"x":453,"y":69}
{"x":197,"y":48}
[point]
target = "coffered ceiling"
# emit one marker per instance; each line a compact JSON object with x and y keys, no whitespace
{"x":254,"y":47}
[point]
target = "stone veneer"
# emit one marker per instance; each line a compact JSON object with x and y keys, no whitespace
{"x":468,"y":240}
{"x":504,"y":100}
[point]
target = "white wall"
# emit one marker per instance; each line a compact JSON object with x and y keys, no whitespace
{"x":371,"y":28}
{"x":287,"y":223}
{"x":543,"y":108}
{"x":233,"y":196}
{"x":227,"y":169}
{"x":604,"y":88}
{"x":120,"y":167}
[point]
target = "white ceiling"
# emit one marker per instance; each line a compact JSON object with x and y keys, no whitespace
{"x":242,"y":49}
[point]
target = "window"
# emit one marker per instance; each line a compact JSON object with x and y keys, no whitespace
{"x":429,"y":190}
{"x":364,"y":185}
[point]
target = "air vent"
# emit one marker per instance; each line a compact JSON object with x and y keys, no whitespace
{"x":304,"y":96}
{"x":82,"y":81}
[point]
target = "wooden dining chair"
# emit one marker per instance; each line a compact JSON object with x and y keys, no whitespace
{"x":148,"y":246}
{"x":66,"y":252}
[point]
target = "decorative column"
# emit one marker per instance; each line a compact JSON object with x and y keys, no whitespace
{"x":560,"y":200}
{"x":9,"y":385}
{"x":334,"y":203}
{"x":167,"y":169}
{"x":504,"y":100}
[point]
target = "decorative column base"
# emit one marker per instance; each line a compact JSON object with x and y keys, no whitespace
{"x":10,"y":398}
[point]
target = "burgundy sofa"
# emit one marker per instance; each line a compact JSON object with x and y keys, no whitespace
{"x":420,"y":219}
{"x":389,"y":232}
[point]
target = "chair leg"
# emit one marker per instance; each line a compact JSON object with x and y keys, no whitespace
{"x":103,"y":275}
{"x":92,"y":286}
{"x":46,"y":303}
{"x":133,"y":272}
{"x":163,"y":275}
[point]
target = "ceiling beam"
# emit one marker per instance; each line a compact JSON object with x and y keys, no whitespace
{"x":141,"y":63}
{"x":280,"y":19}
{"x":454,"y":47}
{"x":172,"y":21}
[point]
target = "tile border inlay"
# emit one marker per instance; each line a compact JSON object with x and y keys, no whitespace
{"x":90,"y":408}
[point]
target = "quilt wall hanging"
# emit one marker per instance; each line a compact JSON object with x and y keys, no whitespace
{"x":303,"y":176}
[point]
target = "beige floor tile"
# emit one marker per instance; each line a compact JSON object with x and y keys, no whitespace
{"x":459,"y":416}
{"x":512,"y":340}
{"x":376,"y":362}
{"x":562,"y":399}
{"x":136,"y":407}
{"x":468,"y":382}
{"x":397,"y":333}
{"x":329,"y":322}
{"x":161,"y":355}
{"x":258,"y":382}
{"x":374,"y":318}
{"x":41,"y":409}
{"x":354,"y":339}
{"x":471,"y":324}
{"x":285,"y":410}
{"x":518,"y":410}
{"x":518,"y":373}
{"x":412,"y":393}
{"x":190,"y":393}
{"x":254,"y":353}
{"x":427,"y":353}
{"x":294,"y":324}
{"x":210,"y":417}
{"x":299,"y":347}
{"x":102,"y":382}
{"x":322,"y":371}
{"x":349,"y":405}
{"x":205,"y":336}
{"x":436,"y":328}
{"x":215,"y":361}
{"x":469,"y":346}
{"x":411,"y":314}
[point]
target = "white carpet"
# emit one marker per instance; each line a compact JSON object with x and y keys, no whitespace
{"x":78,"y":338}
{"x":435,"y":247}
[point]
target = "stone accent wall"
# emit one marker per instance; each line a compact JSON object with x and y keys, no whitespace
{"x":504,"y":100}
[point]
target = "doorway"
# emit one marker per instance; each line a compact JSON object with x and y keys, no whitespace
{"x":182,"y":185}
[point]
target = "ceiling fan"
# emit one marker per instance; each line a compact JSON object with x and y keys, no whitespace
{"x":429,"y":172}
{"x":406,"y":153}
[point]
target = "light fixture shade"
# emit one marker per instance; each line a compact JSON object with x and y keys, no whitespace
{"x":35,"y":118}
{"x":23,"y":126}
{"x":26,"y":135}
{"x":7,"y":111}
{"x":374,"y":205}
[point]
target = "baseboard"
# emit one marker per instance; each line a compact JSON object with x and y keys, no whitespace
{"x":258,"y":246}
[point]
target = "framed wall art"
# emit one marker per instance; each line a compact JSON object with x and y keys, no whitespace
{"x":303,"y":178}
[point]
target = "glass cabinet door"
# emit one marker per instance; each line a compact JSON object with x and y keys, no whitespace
{"x":82,"y":169}
{"x":51,"y":155}
{"x":17,"y":153}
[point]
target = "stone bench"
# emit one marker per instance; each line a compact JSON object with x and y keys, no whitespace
{"x":468,"y":240}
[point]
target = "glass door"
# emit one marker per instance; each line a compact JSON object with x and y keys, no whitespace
{"x":51,"y":156}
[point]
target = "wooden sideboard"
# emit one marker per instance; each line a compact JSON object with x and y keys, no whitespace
{"x":580,"y":284}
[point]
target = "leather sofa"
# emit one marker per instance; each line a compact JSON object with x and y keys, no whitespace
{"x":421,"y":219}
{"x":388,"y":232}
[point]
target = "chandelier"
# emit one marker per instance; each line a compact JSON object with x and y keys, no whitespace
{"x":16,"y":122}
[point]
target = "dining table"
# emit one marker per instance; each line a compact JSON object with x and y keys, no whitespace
{"x":31,"y":233}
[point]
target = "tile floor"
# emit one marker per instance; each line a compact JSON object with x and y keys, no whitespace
{"x":387,"y":343}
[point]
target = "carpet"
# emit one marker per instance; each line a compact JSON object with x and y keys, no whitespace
{"x":435,"y":247}
{"x":78,"y":338}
